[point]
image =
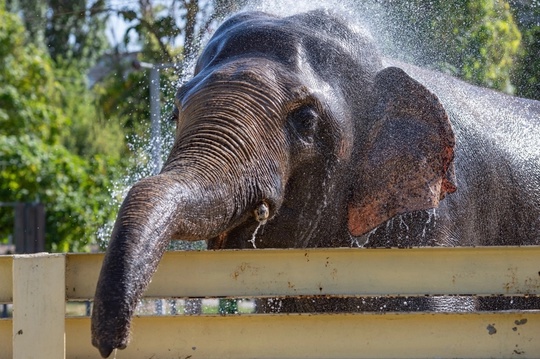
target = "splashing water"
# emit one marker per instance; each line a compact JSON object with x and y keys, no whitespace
{"x":409,"y":229}
{"x":402,"y":223}
{"x":355,"y":241}
{"x":140,"y":162}
{"x":291,"y":7}
{"x":432,"y":216}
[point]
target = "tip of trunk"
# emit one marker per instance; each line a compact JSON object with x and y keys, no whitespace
{"x":106,"y":346}
{"x":104,"y":350}
{"x":110,"y":324}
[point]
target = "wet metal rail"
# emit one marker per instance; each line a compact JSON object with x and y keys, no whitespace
{"x":39,"y":286}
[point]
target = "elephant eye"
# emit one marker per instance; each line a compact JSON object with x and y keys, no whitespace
{"x":304,"y":121}
{"x":173,"y":117}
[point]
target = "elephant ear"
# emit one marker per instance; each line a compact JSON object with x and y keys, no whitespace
{"x":407,"y":164}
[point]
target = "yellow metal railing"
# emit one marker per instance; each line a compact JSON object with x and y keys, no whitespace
{"x":39,"y":286}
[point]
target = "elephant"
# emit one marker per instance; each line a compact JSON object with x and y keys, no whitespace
{"x":295,"y":132}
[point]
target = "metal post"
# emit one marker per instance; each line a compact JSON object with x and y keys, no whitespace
{"x":155,"y":115}
{"x":155,"y":109}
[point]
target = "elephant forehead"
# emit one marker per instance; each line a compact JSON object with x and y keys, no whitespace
{"x":268,"y":39}
{"x":246,"y":80}
{"x":254,"y":71}
{"x":233,"y":95}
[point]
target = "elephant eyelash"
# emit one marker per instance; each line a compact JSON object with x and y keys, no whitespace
{"x":303,"y":121}
{"x":174,"y":116}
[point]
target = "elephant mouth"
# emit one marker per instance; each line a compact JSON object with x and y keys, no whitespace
{"x":238,"y":237}
{"x":245,"y":234}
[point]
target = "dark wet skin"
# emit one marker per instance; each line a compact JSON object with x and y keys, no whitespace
{"x":299,"y":123}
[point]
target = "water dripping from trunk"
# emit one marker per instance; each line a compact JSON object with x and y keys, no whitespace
{"x":254,"y":235}
{"x":405,"y":230}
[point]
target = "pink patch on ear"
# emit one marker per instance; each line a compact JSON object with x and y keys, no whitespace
{"x":447,"y":187}
{"x":399,"y":198}
{"x":449,"y":179}
{"x":362,"y":219}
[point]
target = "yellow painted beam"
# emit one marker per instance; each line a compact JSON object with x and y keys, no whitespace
{"x":6,"y":280}
{"x":82,"y":272}
{"x":6,"y":347}
{"x":417,"y":271}
{"x":404,"y":335}
{"x":38,"y":306}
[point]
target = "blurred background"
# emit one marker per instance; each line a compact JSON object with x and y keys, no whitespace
{"x":76,"y":82}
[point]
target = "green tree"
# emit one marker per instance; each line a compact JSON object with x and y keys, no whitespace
{"x":35,"y":164}
{"x":172,"y":31}
{"x":90,"y":132}
{"x":75,"y":31}
{"x":34,"y":16}
{"x":163,"y":32}
{"x":489,"y":43}
{"x":70,"y":30}
{"x":477,"y":40}
{"x":73,"y":190}
{"x":28,"y":85}
{"x":526,"y":75}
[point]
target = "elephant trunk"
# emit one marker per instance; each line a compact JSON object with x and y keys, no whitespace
{"x":155,"y":210}
{"x":230,"y":158}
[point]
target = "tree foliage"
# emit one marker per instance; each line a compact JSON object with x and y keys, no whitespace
{"x":73,"y":190}
{"x":40,"y":109}
{"x":477,"y":40}
{"x":526,"y":74}
{"x":70,"y":30}
{"x":164,"y":33}
{"x":172,"y":31}
{"x":89,"y":133}
{"x":27,"y":85}
{"x":489,"y":43}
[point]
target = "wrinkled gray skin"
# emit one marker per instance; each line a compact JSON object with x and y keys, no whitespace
{"x":302,"y":116}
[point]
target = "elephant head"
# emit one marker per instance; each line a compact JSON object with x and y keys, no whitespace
{"x":285,"y":127}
